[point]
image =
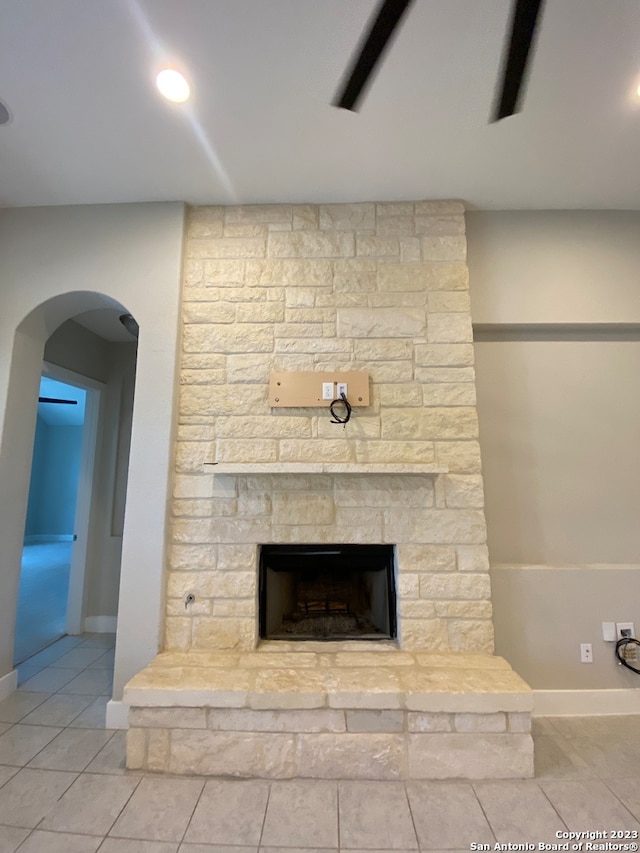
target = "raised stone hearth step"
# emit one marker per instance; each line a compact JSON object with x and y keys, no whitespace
{"x":375,"y":714}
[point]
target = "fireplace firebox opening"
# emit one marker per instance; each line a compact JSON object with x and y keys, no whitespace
{"x":327,"y":592}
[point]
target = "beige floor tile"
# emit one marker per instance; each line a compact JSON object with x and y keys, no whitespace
{"x":375,"y":815}
{"x":519,"y":809}
{"x":78,"y":658}
{"x":50,"y":680}
{"x":118,"y":845}
{"x":159,"y":810}
{"x":6,"y":773}
{"x":92,"y":682}
{"x":27,"y":672}
{"x":52,"y":652}
{"x":20,"y":743}
{"x":105,"y":661}
{"x":229,"y":812}
{"x":72,"y":749}
{"x":59,"y":710}
{"x":627,"y":725}
{"x":436,"y":808}
{"x":94,"y":716}
{"x":91,"y":804}
{"x":608,"y":756}
{"x":19,"y":704}
{"x":98,"y":641}
{"x":5,"y":727}
{"x":302,"y":813}
{"x":588,"y":804}
{"x":628,"y":791}
{"x":222,"y":848}
{"x":284,"y":850}
{"x":541,"y":726}
{"x":30,"y":795}
{"x":554,"y":758}
{"x":111,"y":758}
{"x":53,"y":842}
{"x":11,"y":838}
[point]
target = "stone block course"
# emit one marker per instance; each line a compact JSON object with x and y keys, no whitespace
{"x":308,"y":244}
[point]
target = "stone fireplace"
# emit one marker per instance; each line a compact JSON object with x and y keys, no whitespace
{"x":381,"y":288}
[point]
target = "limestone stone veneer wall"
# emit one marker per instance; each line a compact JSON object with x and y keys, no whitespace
{"x":375,"y":287}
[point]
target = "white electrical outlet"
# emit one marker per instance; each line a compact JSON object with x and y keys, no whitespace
{"x":586,"y":653}
{"x":342,"y":389}
{"x":327,"y":391}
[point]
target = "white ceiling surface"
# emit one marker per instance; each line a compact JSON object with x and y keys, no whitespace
{"x":61,"y":414}
{"x":89,"y":127}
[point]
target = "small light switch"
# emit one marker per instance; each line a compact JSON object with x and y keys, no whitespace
{"x":609,"y":632}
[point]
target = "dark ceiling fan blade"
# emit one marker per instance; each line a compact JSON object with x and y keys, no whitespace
{"x":56,"y":400}
{"x":525,"y":18}
{"x":372,"y":47}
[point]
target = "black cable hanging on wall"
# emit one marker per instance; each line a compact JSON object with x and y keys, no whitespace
{"x":341,"y":419}
{"x":621,"y":645}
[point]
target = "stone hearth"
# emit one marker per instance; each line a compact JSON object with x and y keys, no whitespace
{"x":381,"y":288}
{"x":323,"y":713}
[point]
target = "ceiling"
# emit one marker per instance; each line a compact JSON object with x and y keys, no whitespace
{"x":89,"y":127}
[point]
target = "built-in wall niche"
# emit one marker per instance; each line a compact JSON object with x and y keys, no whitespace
{"x":327,"y":592}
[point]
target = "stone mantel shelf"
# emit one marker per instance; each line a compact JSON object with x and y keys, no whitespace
{"x":241,"y":468}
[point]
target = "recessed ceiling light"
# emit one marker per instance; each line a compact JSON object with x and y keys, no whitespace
{"x":173,"y":85}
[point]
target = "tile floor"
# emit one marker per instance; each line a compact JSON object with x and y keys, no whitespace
{"x":63,"y":787}
{"x":42,"y":597}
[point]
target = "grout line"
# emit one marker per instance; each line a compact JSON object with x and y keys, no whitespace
{"x":413,"y":823}
{"x":193,"y":811}
{"x":552,"y":804}
{"x":264,"y":817}
{"x":124,"y":806}
{"x":338,"y":812}
{"x":484,"y":814}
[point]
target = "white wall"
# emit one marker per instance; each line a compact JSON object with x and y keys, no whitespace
{"x":55,"y":263}
{"x":559,"y":430}
{"x":559,"y":434}
{"x":560,"y":266}
{"x":106,"y":537}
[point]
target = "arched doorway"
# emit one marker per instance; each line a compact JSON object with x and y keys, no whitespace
{"x":79,"y":336}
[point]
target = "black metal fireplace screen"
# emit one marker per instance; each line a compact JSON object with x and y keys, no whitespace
{"x":327,"y":592}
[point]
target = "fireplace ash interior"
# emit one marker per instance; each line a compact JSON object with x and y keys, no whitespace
{"x":327,"y":592}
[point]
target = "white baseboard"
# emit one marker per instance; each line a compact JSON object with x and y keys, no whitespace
{"x":581,"y":703}
{"x":117,"y":715}
{"x":101,"y":624}
{"x":8,"y":683}
{"x":43,"y":538}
